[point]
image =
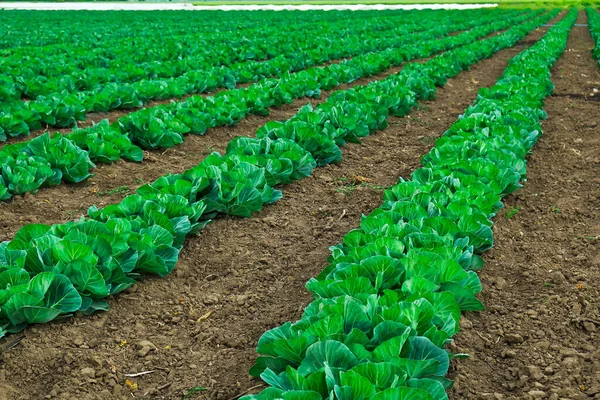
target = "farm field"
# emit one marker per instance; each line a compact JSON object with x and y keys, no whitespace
{"x":398,"y":204}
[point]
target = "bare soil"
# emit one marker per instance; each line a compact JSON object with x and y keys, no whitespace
{"x":199,"y":326}
{"x":539,"y":337}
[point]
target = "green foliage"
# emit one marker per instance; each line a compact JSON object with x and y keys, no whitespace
{"x":512,"y":212}
{"x":144,"y":232}
{"x":392,"y":295}
{"x":105,"y":144}
{"x":594,"y":26}
{"x":43,"y":161}
{"x":67,"y":80}
{"x":117,"y":190}
{"x":346,"y":117}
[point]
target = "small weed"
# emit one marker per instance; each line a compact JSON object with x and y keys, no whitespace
{"x":117,"y":190}
{"x":512,"y":212}
{"x":589,"y":237}
{"x":548,"y":284}
{"x":193,"y":391}
{"x":352,"y":187}
{"x":373,"y":186}
{"x":556,"y":210}
{"x":209,"y":150}
{"x":346,"y":189}
{"x":421,"y":121}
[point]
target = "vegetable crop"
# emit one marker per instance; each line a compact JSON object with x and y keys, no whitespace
{"x":58,"y":89}
{"x":594,"y":26}
{"x":47,"y":271}
{"x":166,"y":125}
{"x":391,"y":298}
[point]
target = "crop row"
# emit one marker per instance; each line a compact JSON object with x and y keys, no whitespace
{"x":63,"y":100}
{"x":390,"y":300}
{"x":111,"y":39}
{"x":89,"y":29}
{"x":68,"y":29}
{"x":131,"y":61}
{"x":46,"y":271}
{"x":87,"y":69}
{"x":594,"y":26}
{"x":45,"y":160}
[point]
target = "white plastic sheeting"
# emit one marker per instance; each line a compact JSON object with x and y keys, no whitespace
{"x":103,"y":6}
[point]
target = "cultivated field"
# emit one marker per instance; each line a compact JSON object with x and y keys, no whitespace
{"x":300,"y":205}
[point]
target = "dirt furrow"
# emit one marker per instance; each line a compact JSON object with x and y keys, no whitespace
{"x":538,"y":338}
{"x":240,"y":277}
